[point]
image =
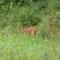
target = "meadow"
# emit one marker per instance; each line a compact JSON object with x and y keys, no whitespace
{"x":16,"y":45}
{"x":19,"y":46}
{"x":23,"y":47}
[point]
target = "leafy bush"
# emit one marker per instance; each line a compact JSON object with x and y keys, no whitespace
{"x":30,"y":21}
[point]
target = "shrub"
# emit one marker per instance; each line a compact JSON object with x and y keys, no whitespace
{"x":30,"y":21}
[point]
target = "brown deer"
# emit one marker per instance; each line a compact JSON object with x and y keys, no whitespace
{"x":30,"y":30}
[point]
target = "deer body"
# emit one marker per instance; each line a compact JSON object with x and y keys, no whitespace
{"x":30,"y":30}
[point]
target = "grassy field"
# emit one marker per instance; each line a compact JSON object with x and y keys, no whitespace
{"x":23,"y":47}
{"x":19,"y":46}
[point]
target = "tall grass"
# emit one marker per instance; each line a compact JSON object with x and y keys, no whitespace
{"x":15,"y":45}
{"x":23,"y":47}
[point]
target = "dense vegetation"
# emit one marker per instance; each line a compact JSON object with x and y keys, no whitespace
{"x":15,"y":14}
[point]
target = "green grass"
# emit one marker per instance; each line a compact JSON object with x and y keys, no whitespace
{"x":18,"y":46}
{"x":23,"y":47}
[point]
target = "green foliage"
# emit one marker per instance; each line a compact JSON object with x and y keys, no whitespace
{"x":58,"y":22}
{"x":57,"y":5}
{"x":12,"y":3}
{"x":22,"y":47}
{"x":30,"y":20}
{"x":18,"y":46}
{"x":25,"y":12}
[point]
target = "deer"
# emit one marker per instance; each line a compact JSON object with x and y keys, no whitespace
{"x":32,"y":30}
